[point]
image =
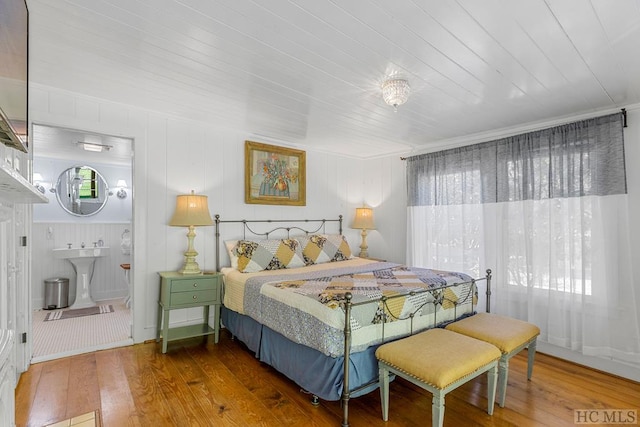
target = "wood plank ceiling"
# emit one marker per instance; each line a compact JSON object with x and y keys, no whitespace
{"x":308,"y":72}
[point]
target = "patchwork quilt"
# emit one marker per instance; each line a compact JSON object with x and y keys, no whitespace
{"x":309,"y":308}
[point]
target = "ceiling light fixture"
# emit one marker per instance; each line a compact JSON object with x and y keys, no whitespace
{"x":395,"y":92}
{"x":92,"y":146}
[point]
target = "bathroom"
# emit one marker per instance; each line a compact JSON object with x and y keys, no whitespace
{"x":58,"y":154}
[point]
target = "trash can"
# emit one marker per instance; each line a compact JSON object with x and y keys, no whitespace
{"x":56,"y":293}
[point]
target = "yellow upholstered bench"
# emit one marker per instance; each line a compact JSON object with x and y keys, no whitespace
{"x":438,"y":361}
{"x":508,"y":334}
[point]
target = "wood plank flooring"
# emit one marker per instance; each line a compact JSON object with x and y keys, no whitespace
{"x":224,"y":385}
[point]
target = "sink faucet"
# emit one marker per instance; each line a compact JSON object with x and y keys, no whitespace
{"x":82,"y":245}
{"x":68,"y":245}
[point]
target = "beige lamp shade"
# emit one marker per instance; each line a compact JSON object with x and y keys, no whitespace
{"x":364,"y":219}
{"x":191,"y":210}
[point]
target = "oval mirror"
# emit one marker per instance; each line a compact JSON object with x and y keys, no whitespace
{"x":82,"y":191}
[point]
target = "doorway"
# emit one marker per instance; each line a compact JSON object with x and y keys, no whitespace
{"x":96,"y":214}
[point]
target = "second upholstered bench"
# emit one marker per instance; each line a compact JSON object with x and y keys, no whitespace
{"x":438,"y":361}
{"x":508,"y":334}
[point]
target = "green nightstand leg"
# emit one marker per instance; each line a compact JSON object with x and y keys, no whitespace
{"x":216,"y":324}
{"x":165,"y":330}
{"x":159,"y":323}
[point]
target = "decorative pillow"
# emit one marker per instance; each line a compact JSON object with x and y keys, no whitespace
{"x":233,"y":257}
{"x":321,"y":248}
{"x":254,"y":256}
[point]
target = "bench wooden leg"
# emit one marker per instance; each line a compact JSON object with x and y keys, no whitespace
{"x":531,"y":354}
{"x":492,"y":375}
{"x":437,"y":408}
{"x":503,"y":376}
{"x":384,"y":391}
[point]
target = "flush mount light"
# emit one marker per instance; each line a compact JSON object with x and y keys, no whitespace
{"x":395,"y":92}
{"x":92,"y":146}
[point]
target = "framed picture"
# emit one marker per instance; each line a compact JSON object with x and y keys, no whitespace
{"x":274,"y":175}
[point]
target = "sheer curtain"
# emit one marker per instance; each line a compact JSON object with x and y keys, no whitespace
{"x":547,"y":212}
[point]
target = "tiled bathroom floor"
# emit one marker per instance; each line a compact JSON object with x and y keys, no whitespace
{"x":61,"y":338}
{"x":90,"y":419}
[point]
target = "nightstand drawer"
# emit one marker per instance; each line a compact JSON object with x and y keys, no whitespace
{"x":194,"y":297}
{"x":194,"y":284}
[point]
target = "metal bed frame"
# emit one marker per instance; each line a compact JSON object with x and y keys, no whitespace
{"x":347,"y":303}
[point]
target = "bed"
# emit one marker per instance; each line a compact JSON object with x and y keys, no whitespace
{"x":296,"y":297}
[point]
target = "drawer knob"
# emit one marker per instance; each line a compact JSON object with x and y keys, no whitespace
{"x":195,"y":285}
{"x":195,"y":297}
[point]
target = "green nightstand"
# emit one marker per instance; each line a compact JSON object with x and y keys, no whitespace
{"x":187,"y":291}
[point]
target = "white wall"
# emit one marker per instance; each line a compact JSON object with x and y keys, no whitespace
{"x":385,"y":191}
{"x":632,"y":153}
{"x":174,"y":156}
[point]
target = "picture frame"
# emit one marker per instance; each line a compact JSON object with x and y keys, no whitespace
{"x":274,"y":175}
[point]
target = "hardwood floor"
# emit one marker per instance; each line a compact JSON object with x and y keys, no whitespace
{"x":224,"y":385}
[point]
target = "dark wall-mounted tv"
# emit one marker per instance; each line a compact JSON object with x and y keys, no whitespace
{"x":14,"y":73}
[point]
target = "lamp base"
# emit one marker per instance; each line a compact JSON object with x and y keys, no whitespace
{"x":190,"y":265}
{"x":190,"y":268}
{"x":364,"y":249}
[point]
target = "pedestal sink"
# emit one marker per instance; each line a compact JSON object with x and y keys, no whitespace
{"x":83,"y":260}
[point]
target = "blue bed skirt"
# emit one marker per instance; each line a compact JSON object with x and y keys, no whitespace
{"x":313,"y":371}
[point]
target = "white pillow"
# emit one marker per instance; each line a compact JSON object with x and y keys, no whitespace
{"x":230,"y":245}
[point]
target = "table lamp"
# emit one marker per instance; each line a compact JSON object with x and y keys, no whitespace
{"x":364,"y":221}
{"x":191,"y":210}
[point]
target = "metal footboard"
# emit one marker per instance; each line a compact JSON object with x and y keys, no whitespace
{"x":348,"y":306}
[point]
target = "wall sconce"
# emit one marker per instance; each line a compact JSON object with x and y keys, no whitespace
{"x":122,"y":185}
{"x":94,"y":146}
{"x":364,"y":221}
{"x":37,"y":182}
{"x":191,"y":210}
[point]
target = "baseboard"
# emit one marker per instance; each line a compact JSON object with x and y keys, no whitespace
{"x":601,"y":364}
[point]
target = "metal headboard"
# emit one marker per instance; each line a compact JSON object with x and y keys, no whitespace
{"x":246,"y":227}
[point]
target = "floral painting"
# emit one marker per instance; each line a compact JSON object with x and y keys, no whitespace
{"x":274,"y":175}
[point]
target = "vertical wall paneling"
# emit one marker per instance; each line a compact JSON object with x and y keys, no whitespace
{"x":151,"y":214}
{"x":632,"y":153}
{"x":172,"y":156}
{"x":108,"y":278}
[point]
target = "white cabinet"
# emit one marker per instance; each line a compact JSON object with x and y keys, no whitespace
{"x":16,"y":195}
{"x":7,"y":378}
